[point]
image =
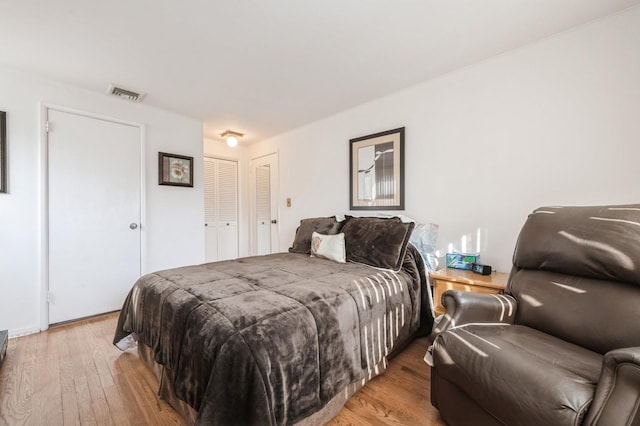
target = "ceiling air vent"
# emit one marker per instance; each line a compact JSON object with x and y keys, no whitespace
{"x":125,"y":93}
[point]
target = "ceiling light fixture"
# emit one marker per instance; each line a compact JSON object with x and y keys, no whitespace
{"x":231,"y":137}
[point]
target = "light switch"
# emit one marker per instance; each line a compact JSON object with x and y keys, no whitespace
{"x":288,"y":202}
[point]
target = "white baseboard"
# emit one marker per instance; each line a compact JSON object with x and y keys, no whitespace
{"x":17,"y":332}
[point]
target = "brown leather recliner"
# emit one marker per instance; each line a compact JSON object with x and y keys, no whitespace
{"x":562,"y":345}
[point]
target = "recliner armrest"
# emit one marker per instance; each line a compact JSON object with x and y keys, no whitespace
{"x":464,"y":307}
{"x":617,"y":398}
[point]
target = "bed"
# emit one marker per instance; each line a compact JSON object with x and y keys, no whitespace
{"x":279,"y":339}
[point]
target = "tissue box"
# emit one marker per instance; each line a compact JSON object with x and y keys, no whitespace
{"x":461,"y":260}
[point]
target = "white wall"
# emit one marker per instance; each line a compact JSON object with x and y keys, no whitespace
{"x":219,"y":149}
{"x":552,"y":123}
{"x":174,"y":215}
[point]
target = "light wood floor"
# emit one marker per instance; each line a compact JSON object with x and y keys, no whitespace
{"x":72,"y":374}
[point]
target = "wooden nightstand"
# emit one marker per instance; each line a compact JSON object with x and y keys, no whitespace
{"x":459,"y":279}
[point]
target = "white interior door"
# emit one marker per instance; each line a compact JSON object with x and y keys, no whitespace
{"x":263,"y":209}
{"x":221,"y":209}
{"x":265,"y":204}
{"x":94,"y":214}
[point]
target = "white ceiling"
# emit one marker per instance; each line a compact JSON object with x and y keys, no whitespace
{"x":264,"y":67}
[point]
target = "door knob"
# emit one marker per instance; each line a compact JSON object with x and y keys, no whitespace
{"x":274,"y":221}
{"x":133,"y":226}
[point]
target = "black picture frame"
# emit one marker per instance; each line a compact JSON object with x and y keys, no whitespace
{"x":175,"y":170}
{"x":376,"y":171}
{"x":3,"y":152}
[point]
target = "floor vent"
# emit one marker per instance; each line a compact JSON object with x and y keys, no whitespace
{"x":125,"y":93}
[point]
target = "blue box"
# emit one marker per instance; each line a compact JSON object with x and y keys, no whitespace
{"x":461,"y":260}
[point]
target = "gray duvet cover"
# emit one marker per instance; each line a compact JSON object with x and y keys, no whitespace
{"x":271,"y":339}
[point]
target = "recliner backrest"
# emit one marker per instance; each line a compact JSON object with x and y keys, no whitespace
{"x":576,"y":275}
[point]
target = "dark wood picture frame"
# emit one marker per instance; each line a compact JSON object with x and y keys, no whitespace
{"x":3,"y":152}
{"x":376,"y":171}
{"x":175,"y":170}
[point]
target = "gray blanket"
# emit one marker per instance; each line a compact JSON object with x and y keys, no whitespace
{"x":271,"y":339}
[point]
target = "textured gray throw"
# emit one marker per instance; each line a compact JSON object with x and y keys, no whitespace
{"x":271,"y":339}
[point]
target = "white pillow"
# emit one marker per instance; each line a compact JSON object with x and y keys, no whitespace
{"x":328,"y":247}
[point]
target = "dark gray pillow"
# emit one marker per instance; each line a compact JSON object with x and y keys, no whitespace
{"x":321,"y":225}
{"x":379,"y":242}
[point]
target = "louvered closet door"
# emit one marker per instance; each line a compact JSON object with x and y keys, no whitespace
{"x":221,"y":209}
{"x":210,"y":210}
{"x":227,"y":209}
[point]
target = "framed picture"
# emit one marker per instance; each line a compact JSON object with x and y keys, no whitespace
{"x":3,"y":151}
{"x":376,"y":165}
{"x":175,"y":170}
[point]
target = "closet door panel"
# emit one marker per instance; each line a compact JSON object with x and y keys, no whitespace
{"x":221,"y":209}
{"x":227,"y":210}
{"x":210,"y":216}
